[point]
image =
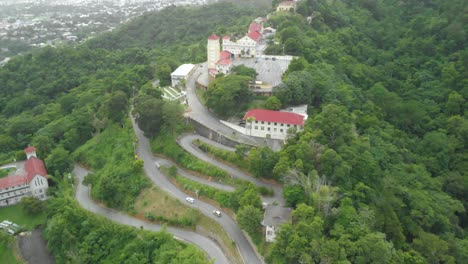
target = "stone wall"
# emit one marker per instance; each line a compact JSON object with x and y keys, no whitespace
{"x":209,"y":133}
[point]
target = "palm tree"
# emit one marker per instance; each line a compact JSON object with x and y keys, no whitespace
{"x":250,"y":119}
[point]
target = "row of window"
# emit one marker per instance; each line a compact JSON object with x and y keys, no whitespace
{"x":269,"y":129}
{"x":14,"y":187}
{"x":274,"y":123}
{"x":19,"y":192}
{"x":16,"y":200}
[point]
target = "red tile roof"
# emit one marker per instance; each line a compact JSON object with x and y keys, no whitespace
{"x":30,"y":149}
{"x":226,"y":37}
{"x":275,"y":116}
{"x":254,"y":27}
{"x":213,"y":37}
{"x":12,"y":180}
{"x":225,"y":55}
{"x":254,"y":35}
{"x":34,"y":166}
{"x":224,"y":62}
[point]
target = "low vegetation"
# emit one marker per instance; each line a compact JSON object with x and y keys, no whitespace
{"x":8,"y":253}
{"x":118,"y":176}
{"x":166,"y":144}
{"x":22,"y":217}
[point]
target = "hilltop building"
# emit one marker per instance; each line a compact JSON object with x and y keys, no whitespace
{"x":28,"y":181}
{"x":272,"y":124}
{"x":181,"y":73}
{"x":286,"y":6}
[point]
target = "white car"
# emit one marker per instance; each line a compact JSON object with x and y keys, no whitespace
{"x":189,"y":199}
{"x":217,"y":213}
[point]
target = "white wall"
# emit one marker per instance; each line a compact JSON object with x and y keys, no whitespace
{"x":39,"y":187}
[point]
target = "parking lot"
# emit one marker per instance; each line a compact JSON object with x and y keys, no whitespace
{"x":9,"y":227}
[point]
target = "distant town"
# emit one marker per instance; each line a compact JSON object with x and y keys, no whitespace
{"x":26,"y":24}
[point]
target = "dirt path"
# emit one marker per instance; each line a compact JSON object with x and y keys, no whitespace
{"x":33,"y":248}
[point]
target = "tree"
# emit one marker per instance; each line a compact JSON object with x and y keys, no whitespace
{"x":293,"y":195}
{"x":59,"y":160}
{"x":244,"y":71}
{"x":32,"y":205}
{"x":228,"y":95}
{"x":117,"y":106}
{"x":150,"y":118}
{"x":272,"y":103}
{"x":249,"y":219}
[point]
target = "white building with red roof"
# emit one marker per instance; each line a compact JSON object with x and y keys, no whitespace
{"x":272,"y":124}
{"x":224,"y":64}
{"x":31,"y":180}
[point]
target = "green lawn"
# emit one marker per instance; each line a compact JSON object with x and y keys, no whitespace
{"x":17,"y":215}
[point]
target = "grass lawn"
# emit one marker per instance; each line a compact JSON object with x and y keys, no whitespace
{"x":8,"y":253}
{"x":17,"y":215}
{"x":154,"y":200}
{"x":157,"y":202}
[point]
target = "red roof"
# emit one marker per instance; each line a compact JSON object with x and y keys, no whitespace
{"x":213,"y":37}
{"x":30,"y":149}
{"x":13,"y":180}
{"x":254,"y":35}
{"x":275,"y":116}
{"x":226,"y":37}
{"x":34,"y":166}
{"x":254,"y":27}
{"x":224,"y":62}
{"x":225,"y":55}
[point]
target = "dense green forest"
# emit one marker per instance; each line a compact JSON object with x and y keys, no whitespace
{"x":382,"y":163}
{"x":71,"y":103}
{"x":379,"y":174}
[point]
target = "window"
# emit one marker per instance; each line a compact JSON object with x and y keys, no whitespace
{"x":263,"y":122}
{"x":256,"y":127}
{"x":281,"y":130}
{"x":268,"y":129}
{"x":262,"y":128}
{"x":269,"y":123}
{"x":289,"y":125}
{"x":256,"y":122}
{"x":276,"y":124}
{"x":282,"y":124}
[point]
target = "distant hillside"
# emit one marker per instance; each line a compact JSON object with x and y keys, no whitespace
{"x":176,"y":25}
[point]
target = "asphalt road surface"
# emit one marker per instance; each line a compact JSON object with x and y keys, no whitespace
{"x":143,"y":150}
{"x":82,"y":195}
{"x":186,"y":143}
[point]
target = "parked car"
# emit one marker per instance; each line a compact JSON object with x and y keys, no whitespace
{"x":217,"y":213}
{"x":189,"y":199}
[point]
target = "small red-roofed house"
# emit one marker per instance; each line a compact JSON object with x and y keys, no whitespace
{"x":31,"y":180}
{"x":224,"y":64}
{"x":272,"y":124}
{"x":255,"y":27}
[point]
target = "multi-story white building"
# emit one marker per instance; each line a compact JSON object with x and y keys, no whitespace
{"x":272,"y":124}
{"x":213,"y":49}
{"x":28,"y":181}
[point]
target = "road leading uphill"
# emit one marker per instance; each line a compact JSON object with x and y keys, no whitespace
{"x":82,"y":195}
{"x":247,"y":251}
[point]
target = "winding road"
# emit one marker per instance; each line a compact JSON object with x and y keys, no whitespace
{"x":151,"y":169}
{"x":82,"y":195}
